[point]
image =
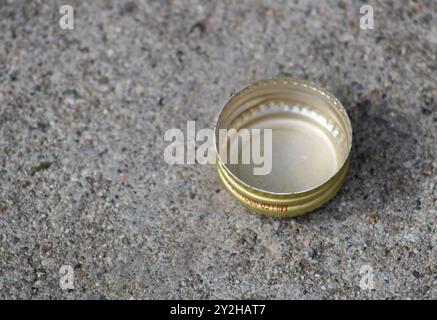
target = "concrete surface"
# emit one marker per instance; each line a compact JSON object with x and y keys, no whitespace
{"x":84,"y":183}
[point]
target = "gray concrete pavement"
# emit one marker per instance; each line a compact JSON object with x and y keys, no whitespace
{"x":83,"y":180}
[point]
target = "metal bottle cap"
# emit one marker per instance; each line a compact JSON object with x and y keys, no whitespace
{"x":311,"y":143}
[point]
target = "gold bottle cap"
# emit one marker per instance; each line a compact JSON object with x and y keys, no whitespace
{"x":310,"y":146}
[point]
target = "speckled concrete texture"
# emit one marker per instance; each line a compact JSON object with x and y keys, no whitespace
{"x":83,"y":181}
